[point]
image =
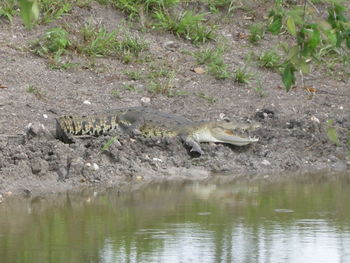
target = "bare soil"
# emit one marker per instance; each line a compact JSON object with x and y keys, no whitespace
{"x":293,"y":136}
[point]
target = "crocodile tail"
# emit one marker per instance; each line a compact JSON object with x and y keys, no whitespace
{"x":84,"y":125}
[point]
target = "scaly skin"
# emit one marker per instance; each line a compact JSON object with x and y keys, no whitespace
{"x":152,"y":123}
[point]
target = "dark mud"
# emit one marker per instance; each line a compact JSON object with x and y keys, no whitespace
{"x":293,"y":135}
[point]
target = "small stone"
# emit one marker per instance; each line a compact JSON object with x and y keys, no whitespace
{"x":146,"y":99}
{"x":95,"y":166}
{"x":157,"y":159}
{"x":314,"y":119}
{"x":139,"y":177}
{"x":266,"y":162}
{"x":86,"y":102}
{"x":88,"y":164}
{"x":45,"y":116}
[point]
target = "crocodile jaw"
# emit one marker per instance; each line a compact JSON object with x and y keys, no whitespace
{"x":223,"y":138}
{"x":235,"y":134}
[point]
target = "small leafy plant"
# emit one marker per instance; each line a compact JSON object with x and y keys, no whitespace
{"x":256,"y":32}
{"x":269,"y":59}
{"x":242,"y":76}
{"x":186,"y":25}
{"x":214,"y":60}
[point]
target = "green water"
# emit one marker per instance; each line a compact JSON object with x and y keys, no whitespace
{"x":289,"y":219}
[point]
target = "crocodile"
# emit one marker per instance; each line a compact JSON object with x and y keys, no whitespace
{"x":152,"y":123}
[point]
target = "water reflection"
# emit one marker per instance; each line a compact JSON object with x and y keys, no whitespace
{"x":288,"y":219}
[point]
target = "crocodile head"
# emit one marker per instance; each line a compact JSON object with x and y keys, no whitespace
{"x":226,"y":132}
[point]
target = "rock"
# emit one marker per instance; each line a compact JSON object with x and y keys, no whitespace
{"x":171,"y":45}
{"x":39,"y":165}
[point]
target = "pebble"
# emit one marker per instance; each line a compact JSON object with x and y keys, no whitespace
{"x":157,"y":159}
{"x":146,"y":99}
{"x":266,"y":162}
{"x":45,"y":116}
{"x":86,"y":102}
{"x":314,"y":119}
{"x":95,"y":166}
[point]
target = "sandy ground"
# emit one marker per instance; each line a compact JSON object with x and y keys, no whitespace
{"x":292,"y":138}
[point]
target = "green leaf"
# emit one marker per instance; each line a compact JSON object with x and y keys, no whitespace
{"x":315,"y":39}
{"x":305,"y":68}
{"x":288,"y":77}
{"x":332,"y":133}
{"x":29,"y":11}
{"x":108,"y":143}
{"x":291,"y":26}
{"x":276,"y":25}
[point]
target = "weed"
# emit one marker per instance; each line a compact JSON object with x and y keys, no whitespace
{"x":8,"y":9}
{"x":53,"y":9}
{"x":115,"y":93}
{"x":160,"y":73}
{"x":133,"y":75}
{"x":269,"y":59}
{"x":108,"y":144}
{"x":242,"y":76}
{"x":55,"y":41}
{"x":256,"y":32}
{"x":164,"y":86}
{"x":187,"y":25}
{"x":213,"y":58}
{"x":129,"y":87}
{"x":35,"y":91}
{"x":100,"y":43}
{"x":134,"y":7}
{"x":258,"y":89}
{"x":208,"y":98}
{"x":216,"y":5}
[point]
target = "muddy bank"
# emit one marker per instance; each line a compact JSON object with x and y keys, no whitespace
{"x":293,"y":135}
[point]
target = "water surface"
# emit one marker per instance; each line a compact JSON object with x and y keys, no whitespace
{"x":289,"y":219}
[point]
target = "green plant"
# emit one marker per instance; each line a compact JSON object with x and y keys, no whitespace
{"x":51,"y":10}
{"x":332,"y":133}
{"x":52,"y":45}
{"x":208,"y":98}
{"x":134,"y":8}
{"x":29,"y":11}
{"x":214,"y":60}
{"x":269,"y":59}
{"x":35,"y":91}
{"x":186,"y":25}
{"x":164,"y":86}
{"x":108,"y":144}
{"x":129,"y":87}
{"x":100,"y":43}
{"x":216,"y":5}
{"x":242,"y":76}
{"x":256,"y":32}
{"x":258,"y":88}
{"x":133,"y":75}
{"x":8,"y":9}
{"x":310,"y":36}
{"x":55,"y":41}
{"x":115,"y":93}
